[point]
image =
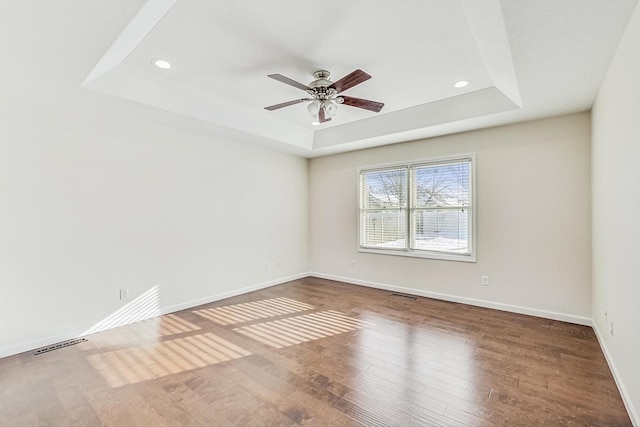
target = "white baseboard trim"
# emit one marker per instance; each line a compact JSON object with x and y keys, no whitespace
{"x":229,"y":294}
{"x":42,"y":342}
{"x":580,"y":320}
{"x":626,"y":399}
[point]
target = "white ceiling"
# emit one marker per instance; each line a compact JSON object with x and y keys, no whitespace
{"x":526,"y":60}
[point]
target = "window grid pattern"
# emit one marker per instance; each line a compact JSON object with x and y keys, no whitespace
{"x":383,"y":207}
{"x":425,"y":208}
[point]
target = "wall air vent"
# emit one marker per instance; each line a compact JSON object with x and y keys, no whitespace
{"x":58,"y":346}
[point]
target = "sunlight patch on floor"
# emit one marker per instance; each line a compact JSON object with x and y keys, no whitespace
{"x":142,"y":363}
{"x":249,"y":311}
{"x":171,"y":324}
{"x":299,"y":329}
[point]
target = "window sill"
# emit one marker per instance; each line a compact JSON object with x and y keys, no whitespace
{"x":414,"y":254}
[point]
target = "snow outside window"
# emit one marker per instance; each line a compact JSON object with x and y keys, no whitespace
{"x":420,"y":209}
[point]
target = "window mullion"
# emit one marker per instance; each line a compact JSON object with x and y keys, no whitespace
{"x":437,"y":197}
{"x":410,"y":196}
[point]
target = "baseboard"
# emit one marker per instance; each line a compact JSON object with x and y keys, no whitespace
{"x":626,"y":399}
{"x":229,"y":294}
{"x":580,"y":320}
{"x":42,"y":342}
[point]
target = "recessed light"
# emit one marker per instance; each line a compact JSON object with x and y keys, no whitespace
{"x":161,"y":63}
{"x":461,"y":84}
{"x":315,"y":123}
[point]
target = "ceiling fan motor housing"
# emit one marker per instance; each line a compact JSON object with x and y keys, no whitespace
{"x":319,"y":88}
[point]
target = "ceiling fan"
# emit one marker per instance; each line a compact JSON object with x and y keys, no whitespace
{"x":324,"y":94}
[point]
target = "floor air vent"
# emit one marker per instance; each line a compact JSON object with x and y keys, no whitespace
{"x":411,"y":297}
{"x":58,"y":346}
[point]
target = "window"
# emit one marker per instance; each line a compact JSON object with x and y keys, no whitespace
{"x":422,"y":209}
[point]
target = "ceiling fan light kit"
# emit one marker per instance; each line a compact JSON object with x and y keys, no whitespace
{"x":324,"y":94}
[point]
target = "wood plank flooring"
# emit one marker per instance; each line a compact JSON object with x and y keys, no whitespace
{"x":319,"y":353}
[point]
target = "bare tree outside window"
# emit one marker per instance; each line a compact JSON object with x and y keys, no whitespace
{"x":424,"y":207}
{"x":384,"y":206}
{"x":439,"y":209}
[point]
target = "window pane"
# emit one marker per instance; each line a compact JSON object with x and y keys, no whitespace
{"x":384,"y":189}
{"x":384,"y":228}
{"x":424,"y":208}
{"x":440,"y":185}
{"x":442,"y":230}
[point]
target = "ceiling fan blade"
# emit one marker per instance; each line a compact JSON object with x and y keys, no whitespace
{"x":362,"y":103}
{"x":321,"y":116}
{"x":286,"y":104}
{"x":287,"y":80}
{"x":350,"y":80}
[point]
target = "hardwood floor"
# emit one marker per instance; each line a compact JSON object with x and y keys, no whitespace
{"x":318,"y":352}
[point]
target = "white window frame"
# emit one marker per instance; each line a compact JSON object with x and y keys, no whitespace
{"x":416,"y":253}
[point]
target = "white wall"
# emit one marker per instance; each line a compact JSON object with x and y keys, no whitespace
{"x":616,"y":215}
{"x":533,"y":219}
{"x":93,"y":199}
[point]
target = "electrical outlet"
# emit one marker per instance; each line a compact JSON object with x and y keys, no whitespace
{"x":353,"y":263}
{"x":485,"y":280}
{"x":124,"y":293}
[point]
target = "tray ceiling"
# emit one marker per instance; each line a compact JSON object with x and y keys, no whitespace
{"x":524,"y":59}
